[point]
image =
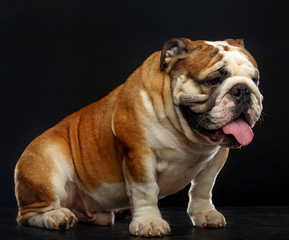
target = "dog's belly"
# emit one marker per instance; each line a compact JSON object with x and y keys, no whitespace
{"x":172,"y":177}
{"x":91,"y":207}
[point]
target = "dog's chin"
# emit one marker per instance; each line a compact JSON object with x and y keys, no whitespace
{"x":215,"y":136}
{"x":219,"y":137}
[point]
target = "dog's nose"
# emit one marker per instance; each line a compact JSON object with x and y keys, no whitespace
{"x":241,"y":92}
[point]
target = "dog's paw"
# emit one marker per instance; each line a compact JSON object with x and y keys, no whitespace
{"x":210,"y":219}
{"x":149,"y":227}
{"x":59,"y":219}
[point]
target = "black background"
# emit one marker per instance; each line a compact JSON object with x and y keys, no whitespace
{"x":59,"y":56}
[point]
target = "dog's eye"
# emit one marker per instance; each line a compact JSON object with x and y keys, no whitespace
{"x":255,"y":80}
{"x":213,"y":82}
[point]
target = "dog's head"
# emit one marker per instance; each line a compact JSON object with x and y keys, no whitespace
{"x":215,"y":86}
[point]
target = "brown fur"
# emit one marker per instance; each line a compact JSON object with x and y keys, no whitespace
{"x":96,"y":140}
{"x":91,"y":145}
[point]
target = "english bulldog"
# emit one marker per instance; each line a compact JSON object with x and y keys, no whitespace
{"x":170,"y":124}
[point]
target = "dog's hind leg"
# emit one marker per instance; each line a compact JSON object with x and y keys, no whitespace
{"x":47,"y":217}
{"x":40,"y":189}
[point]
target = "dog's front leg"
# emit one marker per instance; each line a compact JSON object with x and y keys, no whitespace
{"x":201,"y":209}
{"x":143,"y":192}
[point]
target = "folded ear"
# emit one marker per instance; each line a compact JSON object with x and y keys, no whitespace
{"x":171,"y":49}
{"x":239,"y":42}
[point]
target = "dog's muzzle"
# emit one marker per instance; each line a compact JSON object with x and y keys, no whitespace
{"x":227,"y":126}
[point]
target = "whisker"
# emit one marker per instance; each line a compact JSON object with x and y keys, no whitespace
{"x":204,"y":118}
{"x":262,"y":117}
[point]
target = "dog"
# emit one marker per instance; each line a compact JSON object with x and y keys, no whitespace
{"x":170,"y":124}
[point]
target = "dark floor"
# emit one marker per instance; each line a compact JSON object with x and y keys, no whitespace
{"x":242,"y":223}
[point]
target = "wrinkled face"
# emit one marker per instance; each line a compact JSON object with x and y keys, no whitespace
{"x":215,"y":86}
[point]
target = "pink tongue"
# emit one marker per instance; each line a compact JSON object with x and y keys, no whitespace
{"x":241,"y":131}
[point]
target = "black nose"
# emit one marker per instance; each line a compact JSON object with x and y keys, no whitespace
{"x":241,"y":92}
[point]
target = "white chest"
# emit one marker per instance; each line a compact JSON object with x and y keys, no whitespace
{"x":177,"y":168}
{"x":180,"y":154}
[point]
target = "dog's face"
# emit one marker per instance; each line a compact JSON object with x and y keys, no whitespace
{"x":215,"y":86}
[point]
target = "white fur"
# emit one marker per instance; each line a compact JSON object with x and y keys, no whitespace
{"x":108,"y":196}
{"x":178,"y":161}
{"x":184,"y":157}
{"x":200,"y":208}
{"x":241,"y":71}
{"x":148,"y":104}
{"x":178,"y":155}
{"x":115,"y":192}
{"x":236,"y":61}
{"x":62,"y":174}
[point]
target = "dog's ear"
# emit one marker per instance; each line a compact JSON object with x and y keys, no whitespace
{"x":239,"y":42}
{"x":171,"y":49}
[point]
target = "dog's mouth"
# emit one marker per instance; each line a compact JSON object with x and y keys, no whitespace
{"x":234,"y":134}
